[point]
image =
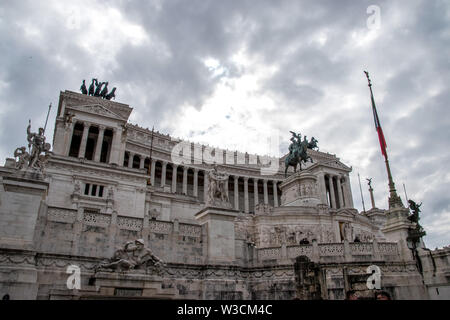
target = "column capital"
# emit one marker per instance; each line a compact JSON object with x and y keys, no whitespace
{"x":265,"y":181}
{"x":196,"y":170}
{"x":101,"y":127}
{"x":246,"y":179}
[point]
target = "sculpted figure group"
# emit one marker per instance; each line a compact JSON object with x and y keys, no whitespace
{"x":133,"y":255}
{"x":217,"y":189}
{"x":39,"y":151}
{"x":95,"y":90}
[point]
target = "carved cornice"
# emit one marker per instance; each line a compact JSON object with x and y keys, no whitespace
{"x":72,"y":98}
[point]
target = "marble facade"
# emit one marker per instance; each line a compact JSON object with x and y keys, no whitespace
{"x":101,"y":189}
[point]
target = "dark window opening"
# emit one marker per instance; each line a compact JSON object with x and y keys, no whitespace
{"x":126,"y":159}
{"x":86,"y":189}
{"x":147,"y":165}
{"x":136,"y":162}
{"x":90,"y":148}
{"x":100,"y":191}
{"x":103,"y":156}
{"x":76,"y":140}
{"x":94,"y":190}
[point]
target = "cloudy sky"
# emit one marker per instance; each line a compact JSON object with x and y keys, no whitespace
{"x":233,"y":73}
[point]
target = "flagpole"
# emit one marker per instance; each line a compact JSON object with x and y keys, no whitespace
{"x":394,"y":199}
{"x":151,"y":152}
{"x":360,"y":189}
{"x":48,"y":113}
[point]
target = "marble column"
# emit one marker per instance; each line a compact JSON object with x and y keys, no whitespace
{"x":142,"y":163}
{"x":205,"y":185}
{"x":196,"y":183}
{"x":236,"y":192}
{"x":152,"y":172}
{"x":174,"y":178}
{"x":130,"y":159}
{"x":255,"y":191}
{"x":82,"y":151}
{"x":115,"y":156}
{"x":98,"y":147}
{"x":339,"y":189}
{"x":246,"y":205}
{"x":275,"y":194}
{"x":348,"y":193}
{"x":68,"y":142}
{"x":333,"y":199}
{"x":322,"y":187}
{"x":185,"y":178}
{"x":163,"y":174}
{"x":266,"y":194}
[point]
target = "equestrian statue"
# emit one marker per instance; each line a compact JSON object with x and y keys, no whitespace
{"x":298,"y":151}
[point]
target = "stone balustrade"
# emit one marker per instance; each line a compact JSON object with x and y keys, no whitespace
{"x":332,"y":252}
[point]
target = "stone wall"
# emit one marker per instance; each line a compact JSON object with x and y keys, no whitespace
{"x":100,"y":234}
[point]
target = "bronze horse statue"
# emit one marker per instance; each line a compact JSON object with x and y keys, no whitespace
{"x":298,"y":153}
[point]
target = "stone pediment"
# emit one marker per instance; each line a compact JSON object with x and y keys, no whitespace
{"x":347,"y":212}
{"x":72,"y":99}
{"x":97,"y":109}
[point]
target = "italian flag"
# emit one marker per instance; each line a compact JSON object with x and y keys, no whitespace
{"x":378,"y":126}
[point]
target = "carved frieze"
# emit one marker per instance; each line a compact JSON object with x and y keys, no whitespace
{"x":96,"y":219}
{"x":160,"y":227}
{"x":129,"y":223}
{"x":61,"y":215}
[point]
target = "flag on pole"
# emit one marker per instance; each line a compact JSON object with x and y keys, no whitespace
{"x":379,"y":129}
{"x":377,"y":120}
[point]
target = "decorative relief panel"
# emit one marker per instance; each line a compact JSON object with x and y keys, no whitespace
{"x":328,"y":235}
{"x":307,"y":189}
{"x":363,"y":235}
{"x":361,"y":248}
{"x":244,"y":229}
{"x":160,"y":227}
{"x":295,"y":251}
{"x":190,"y":230}
{"x":335,"y":249}
{"x":61,"y":215}
{"x":271,"y":236}
{"x":129,"y":223}
{"x":387,"y":248}
{"x":269,"y":253}
{"x":96,"y":219}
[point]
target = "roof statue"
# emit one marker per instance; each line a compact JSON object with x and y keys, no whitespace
{"x":298,"y":151}
{"x":95,"y":89}
{"x":38,"y":151}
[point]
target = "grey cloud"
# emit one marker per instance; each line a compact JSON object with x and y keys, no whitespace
{"x":408,"y":61}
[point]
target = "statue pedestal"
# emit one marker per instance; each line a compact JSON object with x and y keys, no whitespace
{"x":22,"y":209}
{"x":219,"y":224}
{"x":396,"y":229}
{"x":134,"y":284}
{"x":300,"y":189}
